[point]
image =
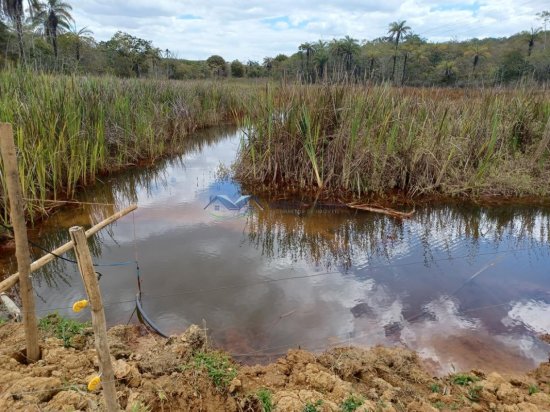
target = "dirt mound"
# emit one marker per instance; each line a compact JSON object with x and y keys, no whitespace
{"x":181,"y":374}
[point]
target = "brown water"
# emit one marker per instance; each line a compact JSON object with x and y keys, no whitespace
{"x":464,"y":285}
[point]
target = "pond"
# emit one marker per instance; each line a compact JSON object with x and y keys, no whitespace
{"x":464,"y":285}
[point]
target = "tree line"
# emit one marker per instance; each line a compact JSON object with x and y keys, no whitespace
{"x":42,"y":35}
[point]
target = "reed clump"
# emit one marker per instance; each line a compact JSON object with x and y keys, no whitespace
{"x":70,"y":129}
{"x":358,"y":140}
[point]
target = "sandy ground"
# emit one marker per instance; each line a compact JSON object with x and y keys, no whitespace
{"x":156,"y":374}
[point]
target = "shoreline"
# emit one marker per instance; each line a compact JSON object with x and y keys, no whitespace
{"x":183,"y":373}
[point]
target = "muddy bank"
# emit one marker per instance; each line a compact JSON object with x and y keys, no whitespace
{"x":314,"y":197}
{"x":182,"y":374}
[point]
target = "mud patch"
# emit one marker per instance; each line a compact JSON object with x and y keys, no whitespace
{"x":182,"y":374}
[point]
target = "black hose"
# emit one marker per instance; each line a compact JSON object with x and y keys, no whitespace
{"x":146,"y":318}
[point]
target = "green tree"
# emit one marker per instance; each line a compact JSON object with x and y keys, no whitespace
{"x":130,"y":55}
{"x":448,"y":71}
{"x":532,"y":36}
{"x":321,"y":57}
{"x":253,"y":69}
{"x":545,"y":17}
{"x":281,"y":58}
{"x":397,"y":31}
{"x":476,"y":52}
{"x":217,"y":65}
{"x":80,"y":36}
{"x":411,"y":45}
{"x":55,"y":17}
{"x":14,"y":11}
{"x":268,"y":64}
{"x":513,"y":66}
{"x":4,"y":39}
{"x":237,"y":69}
{"x":307,"y":49}
{"x":346,"y":49}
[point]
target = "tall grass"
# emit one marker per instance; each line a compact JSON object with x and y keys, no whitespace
{"x":354,"y":140}
{"x":70,"y":129}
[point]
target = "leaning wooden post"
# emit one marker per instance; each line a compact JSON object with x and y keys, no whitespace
{"x":22,"y":253}
{"x":98,"y":316}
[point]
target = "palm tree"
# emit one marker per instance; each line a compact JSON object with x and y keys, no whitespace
{"x":532,"y":37}
{"x":477,"y":52}
{"x":308,"y":49}
{"x":13,"y":10}
{"x":346,"y":48}
{"x":545,"y":17}
{"x":412,"y":45}
{"x":82,"y":35}
{"x":268,"y":63}
{"x":321,"y":58}
{"x":55,"y":17}
{"x":396,"y":31}
{"x":448,"y":70}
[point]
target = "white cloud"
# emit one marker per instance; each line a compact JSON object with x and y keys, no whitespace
{"x":253,"y":29}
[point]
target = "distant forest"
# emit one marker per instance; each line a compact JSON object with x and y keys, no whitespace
{"x":44,"y":37}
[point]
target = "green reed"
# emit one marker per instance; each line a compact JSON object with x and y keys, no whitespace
{"x":357,"y":140}
{"x":70,"y":129}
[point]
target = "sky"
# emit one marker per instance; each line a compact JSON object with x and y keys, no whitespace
{"x":254,"y":29}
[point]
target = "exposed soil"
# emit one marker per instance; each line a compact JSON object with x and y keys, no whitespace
{"x":157,"y":374}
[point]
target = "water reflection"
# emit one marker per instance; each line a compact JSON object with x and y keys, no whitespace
{"x":331,"y":236}
{"x":464,"y":285}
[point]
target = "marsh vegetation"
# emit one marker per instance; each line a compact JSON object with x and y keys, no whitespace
{"x":69,"y":130}
{"x":350,"y":140}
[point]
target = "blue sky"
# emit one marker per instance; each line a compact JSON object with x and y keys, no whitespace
{"x":253,"y":29}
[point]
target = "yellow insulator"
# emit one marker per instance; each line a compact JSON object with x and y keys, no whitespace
{"x":81,"y":304}
{"x":94,"y":383}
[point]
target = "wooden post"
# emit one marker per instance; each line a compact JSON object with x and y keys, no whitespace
{"x":10,"y":281}
{"x":22,"y":253}
{"x":98,"y":316}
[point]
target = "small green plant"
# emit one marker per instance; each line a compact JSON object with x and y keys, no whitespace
{"x":435,"y":388}
{"x":439,"y":405}
{"x":463,"y":379}
{"x":139,"y":407}
{"x":162,"y":395}
{"x":217,"y":366}
{"x":533,"y":389}
{"x":264,"y":396}
{"x":2,"y":321}
{"x":455,"y":406}
{"x":351,"y":404}
{"x":312,"y":407}
{"x":62,"y":328}
{"x":474,"y":393}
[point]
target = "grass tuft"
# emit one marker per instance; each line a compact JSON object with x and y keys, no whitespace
{"x":265,"y":398}
{"x":351,"y":404}
{"x":62,"y":328}
{"x":533,"y":389}
{"x":474,"y":393}
{"x":463,"y":379}
{"x":218,"y":367}
{"x":312,"y":407}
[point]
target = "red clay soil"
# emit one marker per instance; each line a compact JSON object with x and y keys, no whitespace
{"x":182,"y":374}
